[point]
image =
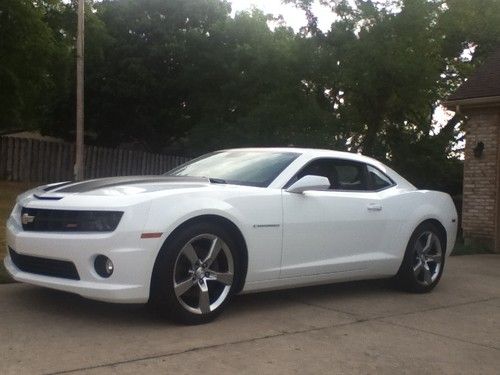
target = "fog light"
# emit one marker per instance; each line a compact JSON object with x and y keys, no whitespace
{"x":103,"y":266}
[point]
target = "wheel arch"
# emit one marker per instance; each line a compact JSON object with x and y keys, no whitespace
{"x":222,"y":221}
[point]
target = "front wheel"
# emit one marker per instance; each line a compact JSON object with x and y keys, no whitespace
{"x":195,"y":274}
{"x":423,"y":263}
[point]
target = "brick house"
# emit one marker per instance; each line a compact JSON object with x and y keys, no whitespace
{"x":478,"y":99}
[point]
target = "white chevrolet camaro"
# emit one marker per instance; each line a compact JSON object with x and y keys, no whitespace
{"x":233,"y":221}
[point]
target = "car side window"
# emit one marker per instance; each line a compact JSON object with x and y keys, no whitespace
{"x":377,"y":179}
{"x":342,"y":174}
{"x":318,"y":167}
{"x":350,"y":175}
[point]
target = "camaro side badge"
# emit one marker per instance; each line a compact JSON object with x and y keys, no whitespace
{"x":266,"y":225}
{"x":26,"y":219}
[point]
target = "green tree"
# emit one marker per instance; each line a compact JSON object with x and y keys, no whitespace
{"x":186,"y":74}
{"x":398,"y":60}
{"x":265,"y":93}
{"x":142,"y":87}
{"x":27,"y":50}
{"x":61,"y":19}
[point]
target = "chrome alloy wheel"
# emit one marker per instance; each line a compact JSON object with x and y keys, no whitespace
{"x":203,"y":274}
{"x":428,"y":258}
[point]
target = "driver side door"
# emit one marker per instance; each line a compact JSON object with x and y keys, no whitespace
{"x":337,"y":230}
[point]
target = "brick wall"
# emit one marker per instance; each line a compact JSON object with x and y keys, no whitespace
{"x":480,"y":177}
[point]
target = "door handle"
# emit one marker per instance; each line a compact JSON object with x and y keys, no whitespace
{"x":374,"y":207}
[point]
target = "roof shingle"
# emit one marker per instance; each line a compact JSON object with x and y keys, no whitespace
{"x":484,"y":82}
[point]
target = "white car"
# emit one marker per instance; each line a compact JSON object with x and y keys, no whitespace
{"x":233,"y":221}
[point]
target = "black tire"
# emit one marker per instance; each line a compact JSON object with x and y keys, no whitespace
{"x":163,"y":296}
{"x":410,"y":277}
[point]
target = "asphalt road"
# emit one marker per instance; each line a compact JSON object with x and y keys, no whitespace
{"x":348,"y":328}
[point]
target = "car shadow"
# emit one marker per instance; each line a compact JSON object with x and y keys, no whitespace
{"x":313,"y":294}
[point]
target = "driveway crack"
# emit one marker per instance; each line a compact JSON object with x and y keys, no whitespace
{"x":438,"y":334}
{"x":200,"y":348}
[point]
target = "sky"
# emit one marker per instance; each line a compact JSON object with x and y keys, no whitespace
{"x":293,"y":16}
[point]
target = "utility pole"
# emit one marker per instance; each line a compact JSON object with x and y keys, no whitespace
{"x":78,"y":169}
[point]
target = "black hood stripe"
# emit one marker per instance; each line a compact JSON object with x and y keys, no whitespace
{"x":58,"y":185}
{"x":89,"y":185}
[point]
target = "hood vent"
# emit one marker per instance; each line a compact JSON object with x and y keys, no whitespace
{"x":47,"y":197}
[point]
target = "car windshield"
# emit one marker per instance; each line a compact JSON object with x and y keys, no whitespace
{"x":251,"y":168}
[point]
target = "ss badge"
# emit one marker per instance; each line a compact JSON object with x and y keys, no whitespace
{"x":26,"y":219}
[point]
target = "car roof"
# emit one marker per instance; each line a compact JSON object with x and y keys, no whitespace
{"x":312,"y":153}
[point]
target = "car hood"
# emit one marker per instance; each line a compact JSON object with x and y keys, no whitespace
{"x":118,"y":186}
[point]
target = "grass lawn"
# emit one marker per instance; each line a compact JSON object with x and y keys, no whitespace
{"x":8,"y":193}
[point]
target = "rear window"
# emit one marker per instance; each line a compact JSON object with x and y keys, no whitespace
{"x":377,"y":179}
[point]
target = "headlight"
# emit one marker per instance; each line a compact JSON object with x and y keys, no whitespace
{"x":15,"y":210}
{"x":44,"y":220}
{"x":16,"y":214}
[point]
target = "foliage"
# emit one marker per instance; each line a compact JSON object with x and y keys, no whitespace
{"x":469,"y":249}
{"x":27,"y":50}
{"x":186,"y":75}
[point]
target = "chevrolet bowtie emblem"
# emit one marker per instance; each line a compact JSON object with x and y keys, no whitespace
{"x":26,"y":219}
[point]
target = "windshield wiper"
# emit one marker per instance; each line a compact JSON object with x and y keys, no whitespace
{"x":217,"y":180}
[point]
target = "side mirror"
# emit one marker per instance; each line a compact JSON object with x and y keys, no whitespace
{"x":309,"y":182}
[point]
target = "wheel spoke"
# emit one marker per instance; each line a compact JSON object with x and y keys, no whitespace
{"x":427,"y":275}
{"x":204,"y":298}
{"x":418,"y":268}
{"x":183,"y":286}
{"x":189,"y":252}
{"x":225,"y":278}
{"x":418,"y":247}
{"x":428,"y":243}
{"x":215,"y":247}
{"x":436,"y":258}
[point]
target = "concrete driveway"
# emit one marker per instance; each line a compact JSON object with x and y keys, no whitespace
{"x":349,"y":328}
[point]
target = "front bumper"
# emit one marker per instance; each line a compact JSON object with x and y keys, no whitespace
{"x":133,"y":260}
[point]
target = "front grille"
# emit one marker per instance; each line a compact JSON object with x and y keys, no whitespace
{"x":46,"y":220}
{"x":44,"y":266}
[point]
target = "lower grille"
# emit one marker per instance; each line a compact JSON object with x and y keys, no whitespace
{"x":44,"y":266}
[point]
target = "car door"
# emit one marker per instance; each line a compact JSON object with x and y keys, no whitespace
{"x":337,"y":230}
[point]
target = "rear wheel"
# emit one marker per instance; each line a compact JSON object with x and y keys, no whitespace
{"x":195,"y":274}
{"x":423,"y":263}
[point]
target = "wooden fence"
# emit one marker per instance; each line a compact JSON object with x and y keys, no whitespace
{"x":42,"y":161}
